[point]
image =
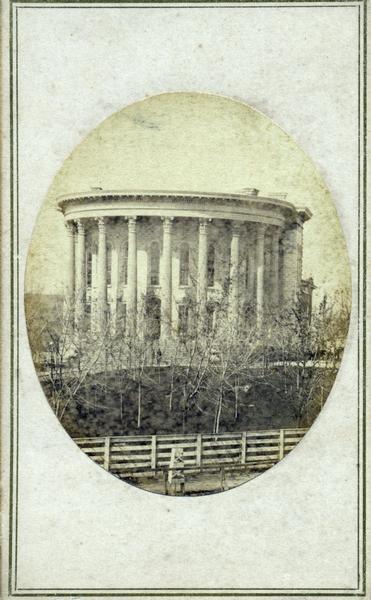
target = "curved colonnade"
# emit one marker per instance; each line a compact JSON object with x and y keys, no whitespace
{"x":177,"y":248}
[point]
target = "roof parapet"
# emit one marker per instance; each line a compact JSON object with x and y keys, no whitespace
{"x":278,"y":195}
{"x":250,"y":191}
{"x":304,"y":213}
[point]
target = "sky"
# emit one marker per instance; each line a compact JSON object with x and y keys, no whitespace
{"x":193,"y":142}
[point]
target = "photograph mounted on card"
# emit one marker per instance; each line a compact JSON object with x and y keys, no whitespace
{"x":184,"y":230}
{"x":187,"y":294}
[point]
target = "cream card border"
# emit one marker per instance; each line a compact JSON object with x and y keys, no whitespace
{"x":11,"y":311}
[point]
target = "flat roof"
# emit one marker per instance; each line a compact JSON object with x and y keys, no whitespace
{"x":250,"y":194}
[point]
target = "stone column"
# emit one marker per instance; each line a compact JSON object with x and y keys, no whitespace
{"x":114,"y":282}
{"x":166,"y":288}
{"x":70,"y":287}
{"x":202,"y":268}
{"x":275,"y":258}
{"x":251,"y":265}
{"x":131,"y":293}
{"x":267,"y":270}
{"x":234,"y":272}
{"x":260,"y":237}
{"x":102,"y":275}
{"x":291,"y":263}
{"x":80,"y":290}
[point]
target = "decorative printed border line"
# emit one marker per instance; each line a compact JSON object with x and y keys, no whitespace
{"x":15,"y":6}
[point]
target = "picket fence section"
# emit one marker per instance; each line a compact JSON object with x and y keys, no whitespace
{"x":148,"y":456}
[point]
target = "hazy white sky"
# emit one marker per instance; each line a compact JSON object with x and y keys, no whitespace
{"x":189,"y":141}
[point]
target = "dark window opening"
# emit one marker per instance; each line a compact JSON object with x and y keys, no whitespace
{"x":121,"y":316}
{"x":154,"y":271}
{"x":153,"y":318}
{"x":184,"y":265}
{"x":183,"y":313}
{"x":210,"y":312}
{"x":211,"y":265}
{"x":125,"y":249}
{"x":109,"y":264}
{"x":89,"y":269}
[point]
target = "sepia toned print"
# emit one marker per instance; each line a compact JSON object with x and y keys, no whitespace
{"x":187,"y":328}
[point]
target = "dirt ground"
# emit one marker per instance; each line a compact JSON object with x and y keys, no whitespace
{"x":197,"y":484}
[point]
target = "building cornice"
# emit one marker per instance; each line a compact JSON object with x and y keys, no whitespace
{"x":240,"y":204}
{"x":114,"y":195}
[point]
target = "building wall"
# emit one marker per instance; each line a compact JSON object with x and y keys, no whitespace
{"x":251,"y":216}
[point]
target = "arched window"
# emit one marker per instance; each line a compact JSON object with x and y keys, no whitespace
{"x":211,"y":265}
{"x":184,"y":265}
{"x":124,"y":258}
{"x":154,"y":267}
{"x":89,"y":269}
{"x":109,"y":263}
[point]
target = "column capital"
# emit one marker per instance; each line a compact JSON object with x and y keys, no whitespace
{"x":261,"y":229}
{"x":70,"y":226}
{"x":132,"y":221}
{"x":236,"y":228}
{"x":80,"y":226}
{"x":102,"y":222}
{"x":251,"y":237}
{"x":203,"y":225}
{"x":276,"y":233}
{"x":167,"y":223}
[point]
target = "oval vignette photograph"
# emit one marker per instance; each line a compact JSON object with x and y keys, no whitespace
{"x":187,"y":294}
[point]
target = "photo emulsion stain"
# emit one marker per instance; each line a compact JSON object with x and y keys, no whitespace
{"x":187,"y":294}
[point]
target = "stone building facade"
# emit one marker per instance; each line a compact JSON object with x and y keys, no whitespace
{"x":153,"y":255}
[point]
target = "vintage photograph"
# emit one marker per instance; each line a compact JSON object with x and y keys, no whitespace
{"x":187,"y":294}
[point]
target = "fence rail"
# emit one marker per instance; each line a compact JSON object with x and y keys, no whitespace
{"x":146,"y":456}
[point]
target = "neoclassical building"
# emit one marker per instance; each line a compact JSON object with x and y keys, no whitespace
{"x":153,"y":255}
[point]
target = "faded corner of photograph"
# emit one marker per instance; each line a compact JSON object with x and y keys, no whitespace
{"x":187,"y":294}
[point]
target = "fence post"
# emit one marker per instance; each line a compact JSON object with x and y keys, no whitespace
{"x":154,"y":452}
{"x":282,"y":444}
{"x":243,"y":447}
{"x":222,"y":479}
{"x":107,"y":450}
{"x":199,"y":450}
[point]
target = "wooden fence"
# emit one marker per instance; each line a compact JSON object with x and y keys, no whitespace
{"x":148,"y":456}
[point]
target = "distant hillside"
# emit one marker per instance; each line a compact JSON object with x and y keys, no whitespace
{"x":41,"y":310}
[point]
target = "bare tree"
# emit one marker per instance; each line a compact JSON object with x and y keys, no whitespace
{"x":200,"y":372}
{"x":308,"y":353}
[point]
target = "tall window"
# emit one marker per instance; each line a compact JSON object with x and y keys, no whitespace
{"x":109,"y":313}
{"x":153,"y":317}
{"x":183,"y":313}
{"x":211,"y":265}
{"x":210,"y":313}
{"x":154,"y":271}
{"x":124,"y":272}
{"x":121,"y":316}
{"x":87,"y":311}
{"x":89,"y":269}
{"x":247,"y":272}
{"x":184,"y":265}
{"x":109,"y":264}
